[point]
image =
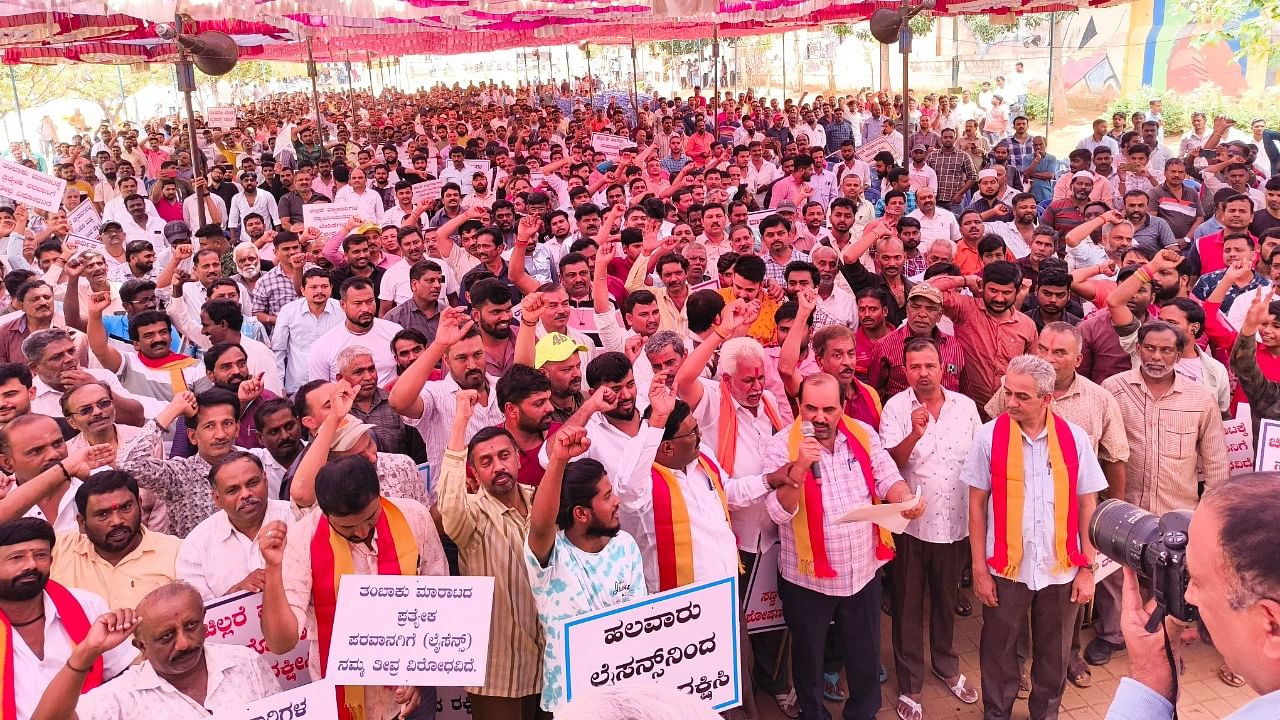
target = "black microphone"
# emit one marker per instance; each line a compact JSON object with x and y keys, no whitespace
{"x":806,"y":429}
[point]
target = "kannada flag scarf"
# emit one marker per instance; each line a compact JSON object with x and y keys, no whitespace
{"x":331,"y":559}
{"x":671,"y":523}
{"x":174,"y":364}
{"x":1008,"y":491}
{"x":808,"y":523}
{"x":77,"y":626}
{"x":727,"y":442}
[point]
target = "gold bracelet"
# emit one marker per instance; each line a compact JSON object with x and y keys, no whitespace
{"x":716,"y":329}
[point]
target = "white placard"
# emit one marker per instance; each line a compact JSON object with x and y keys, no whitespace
{"x":610,"y":145}
{"x":328,"y":218}
{"x":223,"y":118}
{"x":1239,"y":436}
{"x":237,"y":620}
{"x":30,"y":187}
{"x":1268,"y":446}
{"x":313,"y":701}
{"x":886,"y":515}
{"x":536,"y":179}
{"x":686,"y":639}
{"x":452,"y":703}
{"x":754,"y":218}
{"x":411,"y":630}
{"x":764,"y":607}
{"x":427,"y":190}
{"x":1106,"y":566}
{"x":475,"y":166}
{"x":85,"y":223}
{"x":868,"y":151}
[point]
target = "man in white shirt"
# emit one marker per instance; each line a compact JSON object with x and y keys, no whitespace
{"x":248,"y":201}
{"x":229,"y":676}
{"x":140,"y":221}
{"x":927,"y":431}
{"x":361,"y":327}
{"x":44,"y":615}
{"x":368,"y":203}
{"x":220,"y":555}
{"x":55,"y":366}
{"x":935,"y":222}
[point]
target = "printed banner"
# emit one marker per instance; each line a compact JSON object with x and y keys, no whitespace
{"x":685,"y":639}
{"x":763,"y":608}
{"x":411,"y":630}
{"x":223,"y":118}
{"x":313,"y":701}
{"x":328,"y":218}
{"x":237,"y":620}
{"x":610,"y":145}
{"x":31,"y":187}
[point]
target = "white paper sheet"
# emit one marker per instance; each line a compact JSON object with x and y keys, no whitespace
{"x":886,"y":515}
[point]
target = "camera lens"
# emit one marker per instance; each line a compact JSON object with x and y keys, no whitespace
{"x":1121,"y":531}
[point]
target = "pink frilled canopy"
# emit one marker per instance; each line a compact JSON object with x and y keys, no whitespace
{"x":123,"y":31}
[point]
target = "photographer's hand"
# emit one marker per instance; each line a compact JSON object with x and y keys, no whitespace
{"x":1148,"y":663}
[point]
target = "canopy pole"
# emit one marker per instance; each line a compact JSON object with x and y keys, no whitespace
{"x":568,"y":70}
{"x":315,"y":93}
{"x":591,"y":83}
{"x":351,"y":90}
{"x":1048,"y":104}
{"x":784,"y":65}
{"x":14,"y":82}
{"x":124,"y":108}
{"x":904,"y":47}
{"x":635,"y":102}
{"x":368,"y":64}
{"x":715,"y":69}
{"x":185,"y":78}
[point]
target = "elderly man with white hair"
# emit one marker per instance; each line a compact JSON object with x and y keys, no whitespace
{"x":248,"y":270}
{"x":356,"y":365}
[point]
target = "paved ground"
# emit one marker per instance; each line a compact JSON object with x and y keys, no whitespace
{"x":1204,"y":696}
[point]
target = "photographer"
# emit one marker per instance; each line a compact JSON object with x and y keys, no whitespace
{"x":1234,"y":578}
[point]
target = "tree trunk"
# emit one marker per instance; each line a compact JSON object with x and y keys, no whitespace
{"x":1059,"y":110}
{"x":886,"y":84}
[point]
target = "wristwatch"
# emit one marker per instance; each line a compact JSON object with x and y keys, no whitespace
{"x":1091,"y":567}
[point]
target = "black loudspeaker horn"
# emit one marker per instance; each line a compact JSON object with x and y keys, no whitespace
{"x":213,"y":52}
{"x":885,"y":25}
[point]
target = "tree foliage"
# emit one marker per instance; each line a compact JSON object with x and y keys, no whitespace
{"x":1253,"y":24}
{"x":920,"y":25}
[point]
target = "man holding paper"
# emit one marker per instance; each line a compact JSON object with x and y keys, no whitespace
{"x":827,"y":567}
{"x":1033,"y":482}
{"x":927,"y":431}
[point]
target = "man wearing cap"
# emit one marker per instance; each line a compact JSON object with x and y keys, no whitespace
{"x":989,"y":200}
{"x":555,"y":355}
{"x":886,"y":365}
{"x":920,"y":175}
{"x":250,"y":200}
{"x":1065,"y":214}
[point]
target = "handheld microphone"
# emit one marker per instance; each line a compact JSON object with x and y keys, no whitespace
{"x":806,"y":429}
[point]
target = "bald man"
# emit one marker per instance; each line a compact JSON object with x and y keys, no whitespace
{"x":181,"y":677}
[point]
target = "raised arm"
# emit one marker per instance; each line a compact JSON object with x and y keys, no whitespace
{"x":110,"y":358}
{"x":457,"y":515}
{"x":531,"y":307}
{"x":406,"y":396}
{"x":789,"y":353}
{"x":733,"y":321}
{"x":62,"y":693}
{"x":526,"y":237}
{"x":302,"y":491}
{"x":1081,"y":232}
{"x":568,"y":443}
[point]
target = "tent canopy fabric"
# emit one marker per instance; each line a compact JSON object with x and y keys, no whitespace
{"x":124,"y":31}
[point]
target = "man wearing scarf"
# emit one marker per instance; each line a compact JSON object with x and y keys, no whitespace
{"x":1033,"y":481}
{"x":827,"y":568}
{"x":36,"y":612}
{"x":154,"y":370}
{"x":356,"y":531}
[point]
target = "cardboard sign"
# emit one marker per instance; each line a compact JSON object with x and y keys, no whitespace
{"x":686,"y":639}
{"x":475,"y":166}
{"x":764,"y":608}
{"x":30,"y":187}
{"x":223,"y":118}
{"x":411,"y":630}
{"x":313,"y":701}
{"x":1268,"y":446}
{"x":328,"y":218}
{"x":1239,"y":437}
{"x":427,"y":190}
{"x":868,"y":151}
{"x":610,"y":145}
{"x":237,"y":620}
{"x":85,"y":221}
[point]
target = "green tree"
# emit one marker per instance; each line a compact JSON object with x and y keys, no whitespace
{"x":1253,"y":24}
{"x":244,"y":73}
{"x":108,"y":86}
{"x":36,"y":85}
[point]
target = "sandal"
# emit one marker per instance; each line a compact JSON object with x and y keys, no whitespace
{"x":788,"y":704}
{"x":909,"y":709}
{"x":961,"y":689}
{"x":964,"y":608}
{"x":831,"y":688}
{"x":1228,"y":676}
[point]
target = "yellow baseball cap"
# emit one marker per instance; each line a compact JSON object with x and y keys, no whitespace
{"x":554,"y":347}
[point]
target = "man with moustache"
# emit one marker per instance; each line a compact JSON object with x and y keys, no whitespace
{"x":886,"y":368}
{"x":362,"y":327}
{"x":524,"y":394}
{"x":182,"y":677}
{"x":46,"y":476}
{"x":153,"y":369}
{"x":226,"y":365}
{"x":429,"y":405}
{"x":491,"y":303}
{"x":371,"y":404}
{"x":112,"y":554}
{"x":489,"y":526}
{"x":44,"y":619}
{"x":220,"y":555}
{"x":1017,"y":233}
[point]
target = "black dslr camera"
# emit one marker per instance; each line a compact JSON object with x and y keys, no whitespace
{"x":1153,"y":547}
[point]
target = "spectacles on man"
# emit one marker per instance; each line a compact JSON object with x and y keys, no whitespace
{"x":104,"y":405}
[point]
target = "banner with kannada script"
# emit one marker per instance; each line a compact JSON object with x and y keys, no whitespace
{"x":685,"y":639}
{"x":411,"y":630}
{"x":313,"y":701}
{"x":237,"y":620}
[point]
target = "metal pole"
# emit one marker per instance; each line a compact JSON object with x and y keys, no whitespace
{"x":1048,"y":100}
{"x":14,"y":82}
{"x":904,"y":47}
{"x":185,"y":77}
{"x":715,"y":68}
{"x":568,"y":71}
{"x":368,"y":65}
{"x":955,"y":50}
{"x":784,"y":66}
{"x":315,"y":93}
{"x":635,"y":95}
{"x":351,"y":90}
{"x":591,"y":83}
{"x":675,"y":69}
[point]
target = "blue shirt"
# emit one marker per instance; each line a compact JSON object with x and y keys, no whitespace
{"x":1135,"y":701}
{"x":117,"y":326}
